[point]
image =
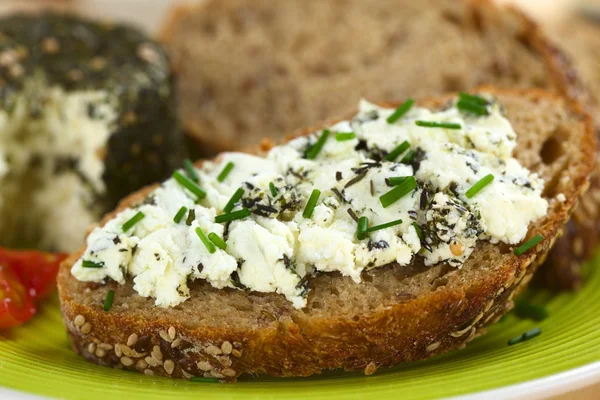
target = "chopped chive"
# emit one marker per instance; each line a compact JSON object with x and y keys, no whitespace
{"x":471,"y":98}
{"x":216,"y":239}
{"x":418,"y":230}
{"x":434,"y":124}
{"x":226,"y":170}
{"x":190,"y":170}
{"x":133,"y":220}
{"x":314,"y":150}
{"x":395,"y":180}
{"x":312,"y":202}
{"x":400,"y":111}
{"x":384,"y":226}
{"x":209,"y":246}
{"x":398,"y":192}
{"x":362,"y":228}
{"x":472,"y":108}
{"x":530,"y":334}
{"x":177,"y":218}
{"x":515,"y":340}
{"x":189,"y":184}
{"x":408,"y":157}
{"x":273,"y":189}
{"x":232,"y":216}
{"x":528,"y":244}
{"x":343,"y":136}
{"x":108,"y":301}
{"x":205,"y":380}
{"x":476,"y":188}
{"x":401,"y":148}
{"x":531,"y":311}
{"x":92,"y":264}
{"x":234,"y":199}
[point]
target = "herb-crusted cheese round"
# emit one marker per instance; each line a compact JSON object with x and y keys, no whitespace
{"x":453,"y":183}
{"x":87,"y":115}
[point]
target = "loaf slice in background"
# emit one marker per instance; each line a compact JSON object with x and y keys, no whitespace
{"x":396,"y":314}
{"x":253,"y":68}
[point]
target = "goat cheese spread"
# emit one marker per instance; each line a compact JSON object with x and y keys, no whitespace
{"x":452,"y":183}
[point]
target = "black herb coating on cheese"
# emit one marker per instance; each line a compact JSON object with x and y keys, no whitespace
{"x":78,"y":54}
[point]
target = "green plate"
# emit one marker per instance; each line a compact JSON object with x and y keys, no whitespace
{"x":37,"y":359}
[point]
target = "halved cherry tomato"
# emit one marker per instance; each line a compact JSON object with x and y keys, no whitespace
{"x":36,"y":270}
{"x":16,"y":305}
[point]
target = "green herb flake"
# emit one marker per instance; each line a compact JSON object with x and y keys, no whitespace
{"x":108,"y":301}
{"x":398,"y":192}
{"x":401,"y":148}
{"x":133,"y":220}
{"x":273,"y":189}
{"x":232,"y":216}
{"x":92,"y":264}
{"x":400,"y":111}
{"x":209,"y":245}
{"x":216,"y":239}
{"x":434,"y":124}
{"x":190,"y":170}
{"x":534,"y":241}
{"x":315,"y":149}
{"x":179,"y":216}
{"x":477,"y":187}
{"x":189,"y":184}
{"x":312,"y":202}
{"x":226,"y":170}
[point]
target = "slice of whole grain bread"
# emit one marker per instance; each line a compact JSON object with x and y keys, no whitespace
{"x":254,"y":68}
{"x":396,"y":314}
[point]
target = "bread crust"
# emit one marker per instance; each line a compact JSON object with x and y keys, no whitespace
{"x":299,"y":345}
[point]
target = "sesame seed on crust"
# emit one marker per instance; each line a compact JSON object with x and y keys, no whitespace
{"x":204,"y":366}
{"x":370,"y":368}
{"x":132,"y":339}
{"x":165,"y":336}
{"x":169,"y":366}
{"x":172,"y":332}
{"x":86,"y":328}
{"x":141,"y":364}
{"x":226,"y":347}
{"x":79,"y":320}
{"x":126,"y":361}
{"x":213,"y":350}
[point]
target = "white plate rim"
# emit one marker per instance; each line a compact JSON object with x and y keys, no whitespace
{"x":541,"y":388}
